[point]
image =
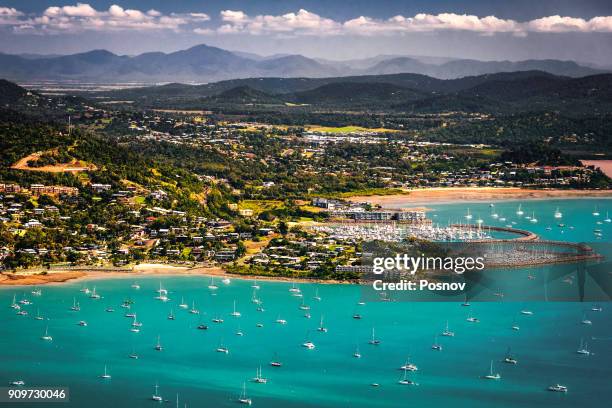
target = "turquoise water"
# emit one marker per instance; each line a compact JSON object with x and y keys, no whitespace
{"x":328,"y":376}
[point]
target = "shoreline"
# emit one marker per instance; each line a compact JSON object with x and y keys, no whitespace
{"x":449,"y":195}
{"x":25,"y":279}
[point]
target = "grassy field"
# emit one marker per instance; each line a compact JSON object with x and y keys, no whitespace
{"x":346,"y":129}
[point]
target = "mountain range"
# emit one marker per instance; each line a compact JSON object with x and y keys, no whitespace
{"x":496,"y":93}
{"x":205,"y":64}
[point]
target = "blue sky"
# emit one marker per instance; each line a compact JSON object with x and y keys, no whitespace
{"x":492,"y":29}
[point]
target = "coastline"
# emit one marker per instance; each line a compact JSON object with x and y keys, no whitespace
{"x":443,"y":195}
{"x":24,"y":278}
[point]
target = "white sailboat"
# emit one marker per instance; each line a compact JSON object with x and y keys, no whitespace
{"x":374,"y":341}
{"x":583,"y":349}
{"x":235,"y":313}
{"x":94,"y":295}
{"x":156,"y":396}
{"x":596,"y":212}
{"x":243,"y":399}
{"x":259,"y":378}
{"x":436,"y":346}
{"x":405,"y":380}
{"x":135,"y":285}
{"x":533,"y":219}
{"x":519,"y":211}
{"x":408,"y":366}
{"x":106,"y":375}
{"x":171,"y":315}
{"x":447,"y":332}
{"x":193,"y":308}
{"x":557,"y":388}
{"x":183,"y":305}
{"x":316,"y":296}
{"x":321,"y":327}
{"x":607,"y":219}
{"x":558,"y":214}
{"x":46,"y":336}
{"x":509,"y":358}
{"x":75,"y":305}
{"x":491,"y":375}
{"x":255,"y":285}
{"x":468,"y":216}
{"x":357,"y":354}
{"x":212,"y":285}
{"x":38,"y":316}
{"x":158,"y":346}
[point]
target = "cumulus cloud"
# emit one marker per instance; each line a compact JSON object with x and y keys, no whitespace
{"x":84,"y":17}
{"x":305,"y":22}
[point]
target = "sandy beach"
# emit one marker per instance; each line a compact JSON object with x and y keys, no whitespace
{"x":25,"y":278}
{"x":421,"y":197}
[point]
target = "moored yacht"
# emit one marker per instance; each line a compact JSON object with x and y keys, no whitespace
{"x":106,"y":375}
{"x":447,"y":332}
{"x":374,"y":341}
{"x":46,"y":336}
{"x":491,"y":375}
{"x":243,"y":399}
{"x":557,"y":388}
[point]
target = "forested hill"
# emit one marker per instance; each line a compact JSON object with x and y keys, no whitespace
{"x":503,"y":92}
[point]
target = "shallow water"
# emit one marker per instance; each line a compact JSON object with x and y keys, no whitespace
{"x":329,"y":375}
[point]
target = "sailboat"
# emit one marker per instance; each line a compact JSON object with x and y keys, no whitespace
{"x":171,"y":315}
{"x":466,"y":303}
{"x":533,"y":218}
{"x":509,"y":359}
{"x":316,"y":296}
{"x":259,"y":378}
{"x":133,"y":354}
{"x":239,"y":332}
{"x":583,"y":349}
{"x":135,"y":285}
{"x":374,"y":341}
{"x":436,"y":346}
{"x":106,"y":375}
{"x":183,"y":305}
{"x":193,"y":308}
{"x":519,"y":211}
{"x":294,"y":289}
{"x":357,"y":354}
{"x":596,"y":212}
{"x":276,"y":362}
{"x":162,"y":294}
{"x":491,"y":376}
{"x":94,"y":295}
{"x":46,"y":336}
{"x":409,"y":366}
{"x":15,"y":305}
{"x":38,"y":316}
{"x":75,"y":305}
{"x":156,"y":396}
{"x":321,"y":327}
{"x":281,"y":321}
{"x":557,"y":388}
{"x":222,"y":348}
{"x":447,"y":332}
{"x":243,"y":399}
{"x":255,"y":285}
{"x":472,"y":319}
{"x":212,"y":285}
{"x":608,"y":219}
{"x":235,"y":313}
{"x":468,"y":216}
{"x":158,"y":346}
{"x":405,"y":380}
{"x":558,"y":214}
{"x":585,"y":320}
{"x":304,"y":306}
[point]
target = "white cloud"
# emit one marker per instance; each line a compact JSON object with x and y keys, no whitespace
{"x":302,"y":22}
{"x":83,"y":17}
{"x":305,"y":22}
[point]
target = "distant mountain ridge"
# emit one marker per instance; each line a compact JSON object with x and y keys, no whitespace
{"x":204,"y":64}
{"x":507,"y":92}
